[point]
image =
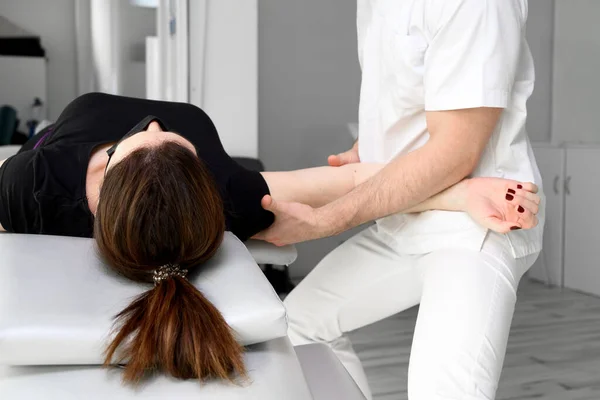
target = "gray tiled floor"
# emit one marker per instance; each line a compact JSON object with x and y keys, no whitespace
{"x":553,"y":350}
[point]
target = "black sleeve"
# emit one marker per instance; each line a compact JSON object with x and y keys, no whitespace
{"x":245,"y":216}
{"x":18,"y":208}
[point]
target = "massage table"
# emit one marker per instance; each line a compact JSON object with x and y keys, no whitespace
{"x":57,"y":300}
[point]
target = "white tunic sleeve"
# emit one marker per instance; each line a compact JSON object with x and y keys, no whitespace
{"x":473,"y":53}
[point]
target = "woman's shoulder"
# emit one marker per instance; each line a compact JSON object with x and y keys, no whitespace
{"x":56,"y":169}
{"x":245,"y":215}
{"x":41,"y":190}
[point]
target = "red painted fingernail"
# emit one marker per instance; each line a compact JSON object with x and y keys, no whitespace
{"x":514,"y":228}
{"x":511,"y":191}
{"x":509,"y":197}
{"x":520,"y":209}
{"x":519,"y":186}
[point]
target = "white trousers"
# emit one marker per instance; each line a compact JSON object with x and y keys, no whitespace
{"x":466,"y":298}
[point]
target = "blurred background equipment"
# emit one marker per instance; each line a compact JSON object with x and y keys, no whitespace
{"x":22,"y":82}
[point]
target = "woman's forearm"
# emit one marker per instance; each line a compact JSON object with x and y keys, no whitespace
{"x":451,"y":199}
{"x":320,"y":185}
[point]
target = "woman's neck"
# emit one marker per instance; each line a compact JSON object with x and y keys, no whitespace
{"x":95,"y":176}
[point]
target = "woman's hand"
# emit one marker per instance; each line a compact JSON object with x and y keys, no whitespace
{"x":347,"y":157}
{"x":499,"y":204}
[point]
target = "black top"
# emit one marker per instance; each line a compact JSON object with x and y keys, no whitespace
{"x":42,"y":188}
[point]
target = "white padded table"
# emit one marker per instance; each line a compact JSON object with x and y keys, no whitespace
{"x":57,"y":300}
{"x":274,"y":370}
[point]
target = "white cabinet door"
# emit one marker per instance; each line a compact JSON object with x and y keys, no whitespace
{"x":549,"y":266}
{"x":582,"y":220}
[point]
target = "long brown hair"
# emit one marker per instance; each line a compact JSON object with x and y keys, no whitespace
{"x":159,"y":205}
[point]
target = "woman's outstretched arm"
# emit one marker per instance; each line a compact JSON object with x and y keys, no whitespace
{"x":498,"y":204}
{"x":477,"y":196}
{"x":321,"y":185}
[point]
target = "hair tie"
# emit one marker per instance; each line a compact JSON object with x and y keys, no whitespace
{"x":168,"y":271}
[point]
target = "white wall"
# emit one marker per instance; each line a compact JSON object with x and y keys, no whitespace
{"x":576,"y":102}
{"x":540,"y":38}
{"x":229,"y":70}
{"x":22,"y":79}
{"x":309,"y":81}
{"x":54,"y":21}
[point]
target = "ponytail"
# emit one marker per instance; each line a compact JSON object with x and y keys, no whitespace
{"x":174,"y":329}
{"x":160,"y":206}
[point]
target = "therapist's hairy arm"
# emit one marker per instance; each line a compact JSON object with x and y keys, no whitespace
{"x":456,"y":143}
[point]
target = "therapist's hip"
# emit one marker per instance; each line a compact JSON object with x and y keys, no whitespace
{"x":429,"y":231}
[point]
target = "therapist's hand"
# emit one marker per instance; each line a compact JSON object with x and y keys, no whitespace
{"x":294,"y":223}
{"x":347,"y":157}
{"x":501,"y":205}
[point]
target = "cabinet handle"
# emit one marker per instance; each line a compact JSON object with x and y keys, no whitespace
{"x":568,"y":185}
{"x":556,"y":179}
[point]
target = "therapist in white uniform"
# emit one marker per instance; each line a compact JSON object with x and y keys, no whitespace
{"x":444,"y":91}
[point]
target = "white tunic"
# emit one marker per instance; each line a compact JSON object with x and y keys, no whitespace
{"x":431,"y":55}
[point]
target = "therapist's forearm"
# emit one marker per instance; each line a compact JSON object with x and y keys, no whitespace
{"x":401,"y":186}
{"x":450,"y":199}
